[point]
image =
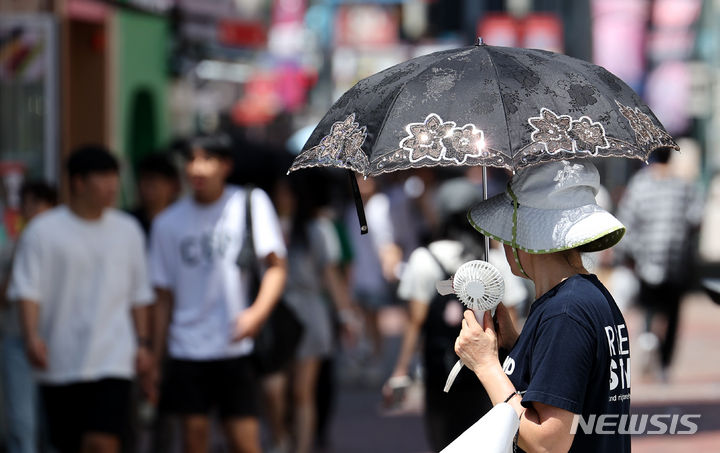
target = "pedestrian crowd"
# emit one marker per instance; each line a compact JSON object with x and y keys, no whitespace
{"x":214,"y":306}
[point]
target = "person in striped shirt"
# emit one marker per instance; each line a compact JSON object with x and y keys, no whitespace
{"x":661,"y":212}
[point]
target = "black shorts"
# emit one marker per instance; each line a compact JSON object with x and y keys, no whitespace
{"x":73,"y":410}
{"x":196,"y":387}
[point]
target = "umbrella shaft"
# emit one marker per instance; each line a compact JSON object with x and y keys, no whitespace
{"x":485,"y":197}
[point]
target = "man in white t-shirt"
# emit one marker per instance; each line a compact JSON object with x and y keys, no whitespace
{"x":204,"y":310}
{"x":80,"y":277}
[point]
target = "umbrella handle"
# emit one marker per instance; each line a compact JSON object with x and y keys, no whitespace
{"x":485,"y":197}
{"x":358,"y":203}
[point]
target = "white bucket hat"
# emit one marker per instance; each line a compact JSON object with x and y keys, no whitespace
{"x":549,"y":208}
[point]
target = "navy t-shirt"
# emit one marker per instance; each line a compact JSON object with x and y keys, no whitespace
{"x":574,"y":354}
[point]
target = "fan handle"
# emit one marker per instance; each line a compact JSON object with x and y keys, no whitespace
{"x":459,"y":364}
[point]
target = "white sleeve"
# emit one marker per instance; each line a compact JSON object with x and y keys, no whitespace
{"x":25,"y":281}
{"x":267,"y":235}
{"x":141,"y":291}
{"x":419,"y":277}
{"x":380,"y":221}
{"x":162,"y":266}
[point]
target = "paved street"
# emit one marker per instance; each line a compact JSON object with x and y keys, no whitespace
{"x":693,"y":387}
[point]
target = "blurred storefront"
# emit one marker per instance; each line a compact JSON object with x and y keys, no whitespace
{"x":28,"y":108}
{"x":81,"y":71}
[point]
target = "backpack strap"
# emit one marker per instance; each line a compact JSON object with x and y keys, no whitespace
{"x":438,"y":262}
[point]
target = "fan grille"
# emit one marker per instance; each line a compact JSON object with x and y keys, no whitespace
{"x":479,"y":285}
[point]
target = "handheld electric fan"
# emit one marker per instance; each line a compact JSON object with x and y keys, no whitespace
{"x":479,"y":286}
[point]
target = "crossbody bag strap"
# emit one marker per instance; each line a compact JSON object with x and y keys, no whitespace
{"x":438,"y":262}
{"x":248,"y":219}
{"x":247,"y":258}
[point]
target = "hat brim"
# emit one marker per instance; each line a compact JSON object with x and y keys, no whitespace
{"x":547,"y":230}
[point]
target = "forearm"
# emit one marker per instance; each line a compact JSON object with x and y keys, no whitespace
{"x":498,"y":385}
{"x":29,"y":316}
{"x":536,"y":433}
{"x":418,"y":311}
{"x":339,"y":293}
{"x":141,"y":321}
{"x":161,"y":320}
{"x":271,"y":289}
{"x":407,"y":349}
{"x":390,"y":256}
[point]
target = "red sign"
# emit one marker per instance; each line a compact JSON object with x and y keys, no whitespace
{"x":499,"y":29}
{"x":543,"y":31}
{"x":260,"y":102}
{"x":241,"y":33}
{"x":536,"y":31}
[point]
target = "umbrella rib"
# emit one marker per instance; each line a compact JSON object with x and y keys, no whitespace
{"x":502,"y":102}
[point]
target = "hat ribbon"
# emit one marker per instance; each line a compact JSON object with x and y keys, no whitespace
{"x":513,"y":244}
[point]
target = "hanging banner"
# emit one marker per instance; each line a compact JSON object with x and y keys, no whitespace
{"x":619,"y":33}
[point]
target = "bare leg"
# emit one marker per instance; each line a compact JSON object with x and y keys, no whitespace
{"x":243,"y":434}
{"x":306,"y":373}
{"x":94,"y":442}
{"x":274,"y":387}
{"x":196,"y":433}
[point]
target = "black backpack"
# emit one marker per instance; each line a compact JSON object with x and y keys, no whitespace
{"x":439,"y":346}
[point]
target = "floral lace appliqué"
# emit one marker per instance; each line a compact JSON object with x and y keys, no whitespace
{"x":558,"y":133}
{"x":588,"y":135}
{"x":438,"y":140}
{"x":344,"y":136}
{"x":342,"y":148}
{"x":552,"y":131}
{"x":425,"y":140}
{"x":464,"y":142}
{"x":646,"y":132}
